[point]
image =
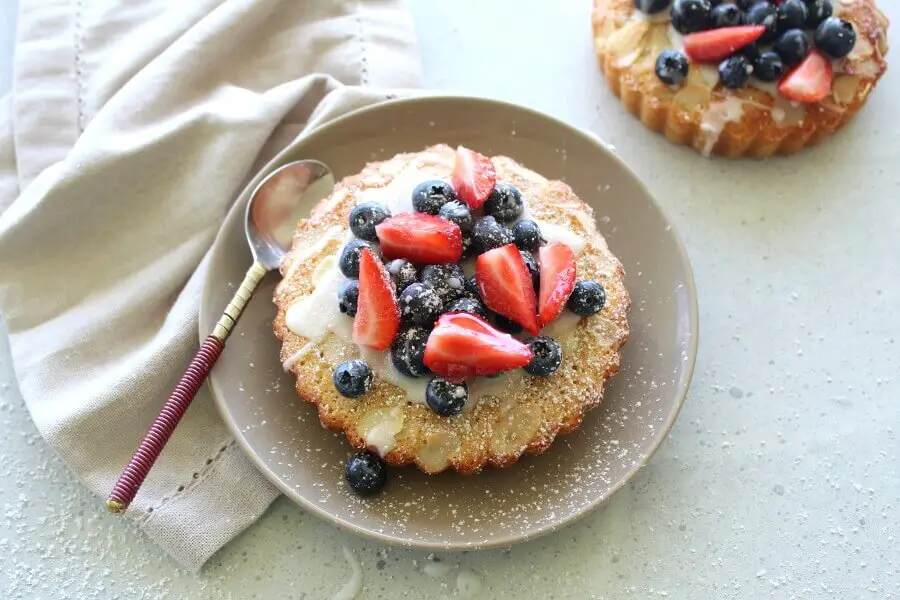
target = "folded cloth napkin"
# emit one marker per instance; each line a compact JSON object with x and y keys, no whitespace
{"x":132,"y":128}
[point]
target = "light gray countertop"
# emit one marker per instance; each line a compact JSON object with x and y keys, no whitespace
{"x":780,"y":478}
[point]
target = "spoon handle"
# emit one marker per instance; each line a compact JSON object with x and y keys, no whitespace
{"x":150,"y":447}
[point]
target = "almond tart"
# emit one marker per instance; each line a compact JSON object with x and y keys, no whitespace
{"x":415,"y":266}
{"x":744,"y":78}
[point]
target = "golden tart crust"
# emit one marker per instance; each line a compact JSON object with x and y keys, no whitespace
{"x":754,"y":121}
{"x":494,"y":430}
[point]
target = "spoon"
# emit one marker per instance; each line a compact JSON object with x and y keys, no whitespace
{"x":275,"y":206}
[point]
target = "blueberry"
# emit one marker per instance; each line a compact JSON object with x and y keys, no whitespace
{"x":507,"y":325}
{"x":468,"y":247}
{"x":457,"y":212}
{"x":768,"y":67}
{"x":792,"y":47}
{"x":349,"y":260}
{"x":365,"y":473}
{"x":726,"y":15}
{"x":735,"y":71}
{"x":430,"y":196}
{"x":352,"y":378}
{"x":532,"y":268}
{"x":408,"y":351}
{"x":588,"y":298}
{"x":745,"y":5}
{"x":527,"y":235}
{"x":471,"y":288}
{"x":489,"y":234}
{"x":791,"y":14}
{"x":348,"y":296}
{"x":547,"y":356}
{"x":672,"y":67}
{"x":419,"y":305}
{"x":469,"y":305}
{"x":763,"y":13}
{"x":445,"y":397}
{"x":689,"y":16}
{"x":403,"y":273}
{"x":835,"y":37}
{"x":752,"y":52}
{"x":364,"y":217}
{"x":817,"y":11}
{"x":651,"y":6}
{"x":505,"y":203}
{"x":448,"y":280}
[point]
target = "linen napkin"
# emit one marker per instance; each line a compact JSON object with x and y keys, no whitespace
{"x":132,"y":128}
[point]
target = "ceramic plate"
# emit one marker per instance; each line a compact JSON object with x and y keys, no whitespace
{"x":283,"y":437}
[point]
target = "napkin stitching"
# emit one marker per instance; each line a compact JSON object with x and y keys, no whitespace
{"x":363,"y":60}
{"x":79,"y":64}
{"x":197,"y":478}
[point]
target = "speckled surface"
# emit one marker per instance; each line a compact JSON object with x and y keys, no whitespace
{"x":779,"y":480}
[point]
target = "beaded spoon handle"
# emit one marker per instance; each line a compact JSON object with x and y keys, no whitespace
{"x":275,"y":206}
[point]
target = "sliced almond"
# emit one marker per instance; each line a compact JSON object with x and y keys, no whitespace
{"x":514,"y":430}
{"x":861,"y":50}
{"x":379,"y":428}
{"x":788,"y":114}
{"x":845,"y":88}
{"x":881,"y":43}
{"x":628,"y":38}
{"x":439,"y":447}
{"x":693,"y":96}
{"x":658,"y":40}
{"x":334,"y":350}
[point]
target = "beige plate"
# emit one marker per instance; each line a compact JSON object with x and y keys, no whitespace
{"x":283,"y":437}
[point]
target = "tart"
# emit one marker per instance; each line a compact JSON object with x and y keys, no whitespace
{"x":741,"y":78}
{"x":450,"y":310}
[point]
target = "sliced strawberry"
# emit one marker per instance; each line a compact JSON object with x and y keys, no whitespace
{"x":557,"y":262}
{"x":718,"y":44}
{"x":809,"y":82}
{"x":473,"y":177}
{"x":420,"y":238}
{"x":463,"y":346}
{"x":377,"y":316}
{"x":506,"y":287}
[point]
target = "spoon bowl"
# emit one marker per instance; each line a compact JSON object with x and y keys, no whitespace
{"x":275,"y":208}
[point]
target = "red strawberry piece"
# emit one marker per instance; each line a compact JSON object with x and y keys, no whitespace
{"x":377,"y":316}
{"x":810,"y":81}
{"x":557,"y":262}
{"x":420,"y":238}
{"x":506,"y":287}
{"x":718,"y":44}
{"x":462,"y":346}
{"x":473,"y":177}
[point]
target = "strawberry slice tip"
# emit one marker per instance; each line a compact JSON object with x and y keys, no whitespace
{"x":810,"y":81}
{"x":717,"y":44}
{"x":473,"y":177}
{"x":420,"y":238}
{"x":463,"y":346}
{"x":377,"y":316}
{"x":557,"y":264}
{"x":506,"y":287}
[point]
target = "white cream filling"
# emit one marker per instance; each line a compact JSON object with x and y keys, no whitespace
{"x":382,"y":436}
{"x":719,"y":114}
{"x":316,"y":315}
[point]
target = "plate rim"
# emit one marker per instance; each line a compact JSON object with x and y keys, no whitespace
{"x":494,"y":541}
